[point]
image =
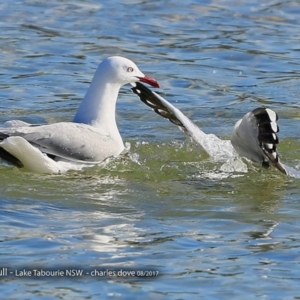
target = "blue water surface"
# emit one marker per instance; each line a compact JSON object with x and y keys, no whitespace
{"x":166,"y":209}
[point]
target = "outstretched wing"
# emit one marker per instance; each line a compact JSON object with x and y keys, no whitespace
{"x":254,"y":136}
{"x":214,"y":146}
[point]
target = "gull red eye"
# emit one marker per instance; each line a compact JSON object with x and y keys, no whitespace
{"x":129,"y":69}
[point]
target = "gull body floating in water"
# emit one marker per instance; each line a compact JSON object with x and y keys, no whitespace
{"x":254,"y":136}
{"x":89,"y":139}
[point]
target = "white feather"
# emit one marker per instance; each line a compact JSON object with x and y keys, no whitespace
{"x":272,"y":114}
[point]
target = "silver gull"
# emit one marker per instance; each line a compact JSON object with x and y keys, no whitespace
{"x":89,"y":139}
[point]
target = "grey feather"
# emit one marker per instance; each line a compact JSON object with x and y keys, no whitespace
{"x":61,"y":140}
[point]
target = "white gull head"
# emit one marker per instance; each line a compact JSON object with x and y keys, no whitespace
{"x":120,"y":71}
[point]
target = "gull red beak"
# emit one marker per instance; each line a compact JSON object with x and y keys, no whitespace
{"x":151,"y":81}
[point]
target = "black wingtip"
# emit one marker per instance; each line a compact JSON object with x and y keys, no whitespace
{"x":267,"y":125}
{"x":151,"y":99}
{"x":144,"y":94}
{"x":267,"y":134}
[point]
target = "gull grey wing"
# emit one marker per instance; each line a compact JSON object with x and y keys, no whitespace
{"x":214,"y":146}
{"x":254,"y":137}
{"x":70,"y":141}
